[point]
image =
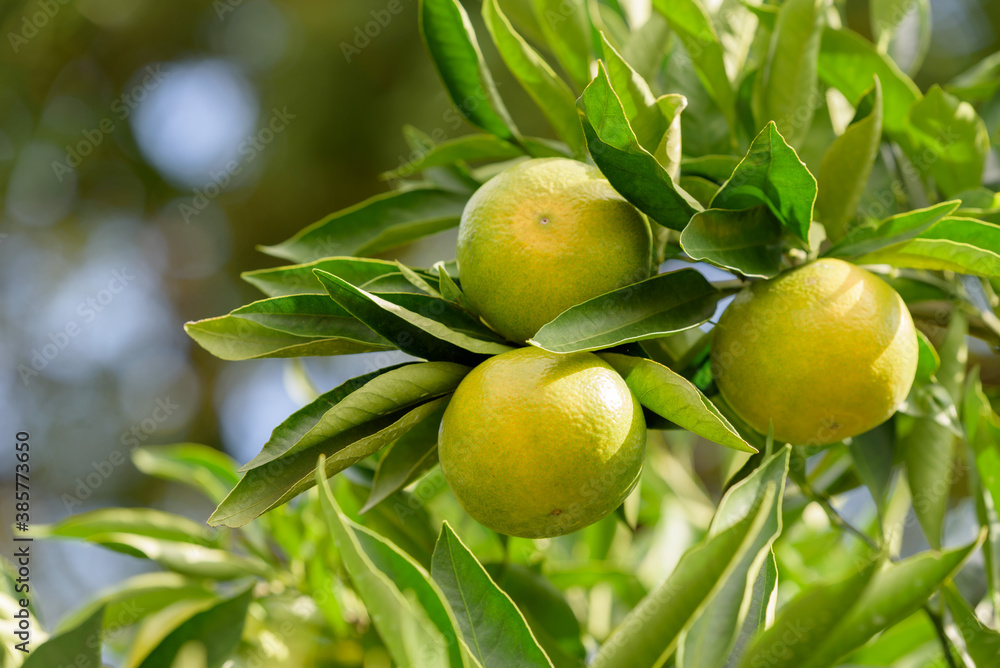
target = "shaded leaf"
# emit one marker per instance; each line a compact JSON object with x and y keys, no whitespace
{"x":747,"y":242}
{"x":80,"y":645}
{"x":467,"y":148}
{"x":210,"y":470}
{"x":568,"y":33}
{"x":981,"y":642}
{"x":928,"y":359}
{"x":665,"y":393}
{"x":299,"y":279}
{"x":963,"y":245}
{"x":648,"y":309}
{"x":892,"y":230}
{"x":872,"y":453}
{"x":184,"y":558}
{"x":138,"y":521}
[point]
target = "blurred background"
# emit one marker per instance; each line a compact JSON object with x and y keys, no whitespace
{"x":146,"y":149}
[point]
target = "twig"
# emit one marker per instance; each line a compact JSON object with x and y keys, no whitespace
{"x":836,"y":519}
{"x":941,"y":635}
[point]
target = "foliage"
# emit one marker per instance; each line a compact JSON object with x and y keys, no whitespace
{"x":340,"y":544}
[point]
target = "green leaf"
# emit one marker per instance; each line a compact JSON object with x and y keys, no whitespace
{"x":568,"y":33}
{"x":265,"y":487}
{"x":715,"y":168}
{"x":892,"y":230}
{"x":693,"y":25}
{"x":291,"y":326}
{"x":872,"y":453}
{"x":929,"y":448}
{"x":981,"y":642}
{"x":648,"y":309}
{"x":207,"y":469}
{"x":183,"y":557}
{"x":949,"y":140}
{"x":494,"y":629}
{"x":131,"y":600}
{"x":218,"y":629}
{"x":786,"y":90}
{"x":409,"y":576}
{"x":762,"y":604}
{"x":376,"y":224}
{"x":747,"y":242}
{"x":78,"y":646}
{"x":672,"y":397}
{"x":847,"y":62}
{"x":805,"y":621}
{"x":980,"y":82}
{"x":138,"y":521}
{"x":357,"y":402}
{"x":550,"y":93}
{"x":649,"y":633}
{"x":467,"y":148}
{"x":963,"y":245}
{"x":887,"y":16}
{"x":452,"y":44}
{"x":450,"y":289}
{"x":771,"y":173}
{"x":407,"y":459}
{"x":846,"y":166}
{"x":297,"y":279}
{"x":404,"y":626}
{"x":630,"y":169}
{"x":928,"y":359}
{"x":893,"y":594}
{"x":708,"y":641}
{"x":423,"y":327}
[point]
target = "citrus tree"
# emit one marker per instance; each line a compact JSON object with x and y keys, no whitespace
{"x":813,"y":481}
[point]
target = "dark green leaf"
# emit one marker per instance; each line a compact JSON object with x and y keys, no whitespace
{"x":494,"y":629}
{"x":299,"y":279}
{"x":748,"y":242}
{"x":267,"y":486}
{"x":716,"y":168}
{"x":553,"y":97}
{"x":872,"y":454}
{"x":429,"y":328}
{"x":452,"y":44}
{"x":786,"y":90}
{"x":948,"y":139}
{"x":376,"y":224}
{"x":659,"y":305}
{"x":631,"y":169}
{"x":467,"y":148}
{"x":846,"y":166}
{"x":405,"y":627}
{"x":670,"y":396}
{"x":78,"y":646}
{"x":771,"y":173}
{"x":217,"y":629}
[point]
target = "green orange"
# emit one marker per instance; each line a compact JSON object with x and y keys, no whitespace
{"x":825,"y":351}
{"x":545,"y":235}
{"x":536,"y":444}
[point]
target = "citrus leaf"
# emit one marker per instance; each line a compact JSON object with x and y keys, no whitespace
{"x":672,"y":397}
{"x":494,"y":629}
{"x":218,"y":629}
{"x":207,"y":469}
{"x":846,"y":166}
{"x":406,"y":460}
{"x":715,"y":168}
{"x":872,"y":453}
{"x":747,"y":242}
{"x":762,"y":604}
{"x":894,"y":23}
{"x":648,"y":309}
{"x":981,"y":642}
{"x":183,"y":557}
{"x":138,"y":521}
{"x":297,"y":279}
{"x":405,"y":627}
{"x":374,"y":225}
{"x":892,"y":230}
{"x":429,"y":328}
{"x":786,"y":85}
{"x":356,"y":402}
{"x":568,"y":32}
{"x":450,"y":289}
{"x":928,"y":359}
{"x":292,"y":326}
{"x":550,"y":93}
{"x":950,"y":139}
{"x":78,"y":646}
{"x":649,"y":633}
{"x":467,"y":148}
{"x":409,"y":576}
{"x":805,"y":621}
{"x":893,"y":594}
{"x":772,"y":174}
{"x":452,"y":44}
{"x":708,"y":641}
{"x":963,"y":245}
{"x":847,"y":62}
{"x":274,"y":483}
{"x":630,"y":169}
{"x":691,"y":22}
{"x":980,"y":82}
